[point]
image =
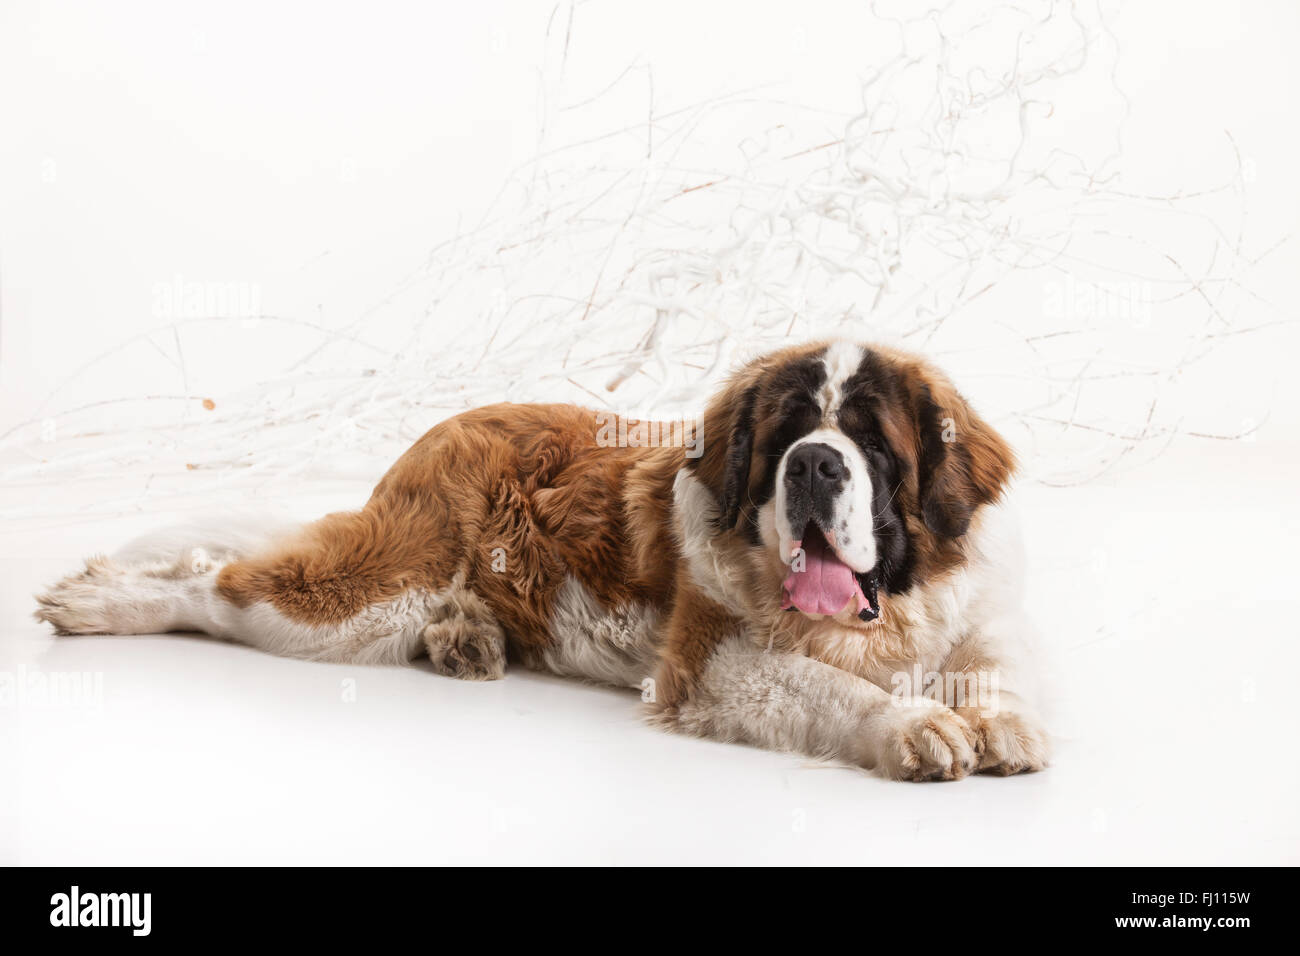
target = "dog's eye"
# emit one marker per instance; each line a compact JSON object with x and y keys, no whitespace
{"x":797,"y":403}
{"x":856,"y":421}
{"x":860,"y":425}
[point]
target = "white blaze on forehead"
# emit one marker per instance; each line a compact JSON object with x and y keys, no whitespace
{"x":841,"y":362}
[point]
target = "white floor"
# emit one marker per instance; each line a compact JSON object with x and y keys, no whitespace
{"x":1169,"y":603}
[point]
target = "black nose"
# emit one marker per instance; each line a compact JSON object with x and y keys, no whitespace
{"x":815,"y":466}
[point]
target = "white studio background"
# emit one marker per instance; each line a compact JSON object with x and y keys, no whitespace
{"x":329,"y":218}
{"x":251,"y":251}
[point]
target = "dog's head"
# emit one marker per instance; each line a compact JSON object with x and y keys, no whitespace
{"x":859,"y":468}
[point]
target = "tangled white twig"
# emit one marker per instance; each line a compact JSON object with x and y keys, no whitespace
{"x":632,"y":269}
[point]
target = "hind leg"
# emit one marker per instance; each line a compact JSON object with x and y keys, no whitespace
{"x":116,"y":597}
{"x":164,"y":581}
{"x":354,"y":587}
{"x":351,"y":588}
{"x":464,"y":639}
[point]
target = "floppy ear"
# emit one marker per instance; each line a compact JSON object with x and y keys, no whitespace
{"x":740,"y":450}
{"x":728,"y":437}
{"x":964,"y":462}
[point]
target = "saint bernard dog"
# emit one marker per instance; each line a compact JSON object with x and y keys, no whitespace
{"x":829,"y":569}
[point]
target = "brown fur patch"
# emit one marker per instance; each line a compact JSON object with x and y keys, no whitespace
{"x":955,"y":461}
{"x":737,"y":421}
{"x":514,"y":497}
{"x":696,"y":627}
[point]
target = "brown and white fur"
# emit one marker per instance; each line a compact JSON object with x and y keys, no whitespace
{"x":512,"y":533}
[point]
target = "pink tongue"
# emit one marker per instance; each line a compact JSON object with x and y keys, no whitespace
{"x":825,"y":585}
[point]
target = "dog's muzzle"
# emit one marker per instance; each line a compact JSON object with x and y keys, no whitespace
{"x":819,"y":582}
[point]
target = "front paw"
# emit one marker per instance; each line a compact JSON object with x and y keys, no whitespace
{"x":925,"y":741}
{"x":1009,"y":743}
